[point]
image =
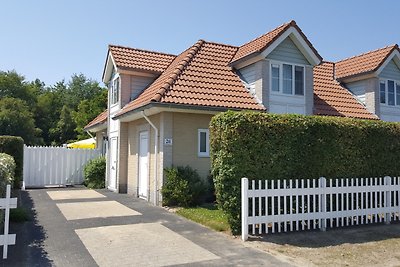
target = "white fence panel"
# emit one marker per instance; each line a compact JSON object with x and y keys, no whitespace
{"x":6,"y":204}
{"x":293,"y":205}
{"x":50,"y":166}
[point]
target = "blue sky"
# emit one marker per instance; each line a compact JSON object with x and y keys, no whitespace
{"x":51,"y":40}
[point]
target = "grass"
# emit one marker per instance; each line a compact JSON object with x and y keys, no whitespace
{"x":208,"y":215}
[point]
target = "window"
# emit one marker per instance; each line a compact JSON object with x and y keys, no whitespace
{"x":275,"y":77}
{"x":287,"y":79}
{"x":203,"y":143}
{"x":382,"y":92}
{"x":389,"y":92}
{"x":114,"y":90}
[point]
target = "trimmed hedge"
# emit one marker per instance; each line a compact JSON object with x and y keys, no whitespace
{"x":14,"y":146}
{"x":95,"y":173}
{"x":266,"y":146}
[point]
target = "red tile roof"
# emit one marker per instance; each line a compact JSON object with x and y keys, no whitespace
{"x":262,"y":42}
{"x":100,"y":119}
{"x":132,"y":58}
{"x":200,"y":76}
{"x":364,"y":63}
{"x":330,"y":98}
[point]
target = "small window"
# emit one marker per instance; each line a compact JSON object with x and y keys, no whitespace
{"x":299,"y":80}
{"x":203,"y":143}
{"x":287,"y":79}
{"x":382,"y":92}
{"x":114,"y":91}
{"x":398,"y":93}
{"x":391,"y":93}
{"x":275,"y":77}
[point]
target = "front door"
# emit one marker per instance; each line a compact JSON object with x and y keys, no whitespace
{"x":112,"y":181}
{"x":143,"y":163}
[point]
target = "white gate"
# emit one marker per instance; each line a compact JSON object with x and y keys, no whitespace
{"x":50,"y":166}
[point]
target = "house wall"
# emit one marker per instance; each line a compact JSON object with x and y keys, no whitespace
{"x":137,"y":84}
{"x":287,"y":51}
{"x":358,"y":89}
{"x":391,"y":71}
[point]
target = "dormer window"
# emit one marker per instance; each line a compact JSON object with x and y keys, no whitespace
{"x":389,"y":92}
{"x":287,"y":79}
{"x":114,"y":90}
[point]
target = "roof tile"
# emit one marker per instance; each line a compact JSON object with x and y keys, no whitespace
{"x":364,"y":63}
{"x":330,"y":98}
{"x":100,"y":119}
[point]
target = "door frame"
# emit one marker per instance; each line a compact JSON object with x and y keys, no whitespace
{"x":147,"y":132}
{"x":116,"y":163}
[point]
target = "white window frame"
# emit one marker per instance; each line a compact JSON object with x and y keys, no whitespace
{"x":396,"y":100}
{"x":113,"y":89}
{"x":205,"y":154}
{"x":280,"y":92}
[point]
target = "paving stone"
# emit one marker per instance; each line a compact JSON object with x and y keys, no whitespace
{"x":74,"y":194}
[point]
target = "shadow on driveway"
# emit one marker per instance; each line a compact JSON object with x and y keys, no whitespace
{"x":29,"y":247}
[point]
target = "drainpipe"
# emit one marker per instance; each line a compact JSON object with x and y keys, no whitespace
{"x":156,"y":156}
{"x":90,"y":134}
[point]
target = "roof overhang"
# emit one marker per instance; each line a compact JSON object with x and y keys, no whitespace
{"x":108,"y":67}
{"x":293,"y":33}
{"x":97,"y":127}
{"x":154,"y":108}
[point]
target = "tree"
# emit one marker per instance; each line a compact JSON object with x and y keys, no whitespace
{"x":17,"y":119}
{"x":65,"y":128}
{"x":13,"y":85}
{"x":87,"y":111}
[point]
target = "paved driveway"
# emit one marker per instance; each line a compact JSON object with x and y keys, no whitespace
{"x":80,"y":227}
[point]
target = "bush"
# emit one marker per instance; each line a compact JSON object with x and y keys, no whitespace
{"x":14,"y":146}
{"x":266,"y":146}
{"x":183,"y":187}
{"x":95,"y":173}
{"x":7,"y":172}
{"x":19,"y":215}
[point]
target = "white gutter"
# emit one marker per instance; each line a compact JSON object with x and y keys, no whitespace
{"x":156,"y":156}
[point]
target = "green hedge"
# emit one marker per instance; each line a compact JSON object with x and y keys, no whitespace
{"x":266,"y":146}
{"x":95,"y":173}
{"x":14,"y":146}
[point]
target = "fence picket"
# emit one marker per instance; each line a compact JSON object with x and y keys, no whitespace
{"x":293,"y":205}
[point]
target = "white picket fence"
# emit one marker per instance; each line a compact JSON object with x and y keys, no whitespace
{"x":292,"y":205}
{"x":55,"y":166}
{"x":6,"y":204}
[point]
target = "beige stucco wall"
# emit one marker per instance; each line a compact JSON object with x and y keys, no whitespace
{"x":182,"y":128}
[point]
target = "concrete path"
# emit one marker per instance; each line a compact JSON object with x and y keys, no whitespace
{"x":80,"y":227}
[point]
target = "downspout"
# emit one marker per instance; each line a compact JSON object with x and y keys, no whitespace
{"x":89,"y":134}
{"x":156,"y":156}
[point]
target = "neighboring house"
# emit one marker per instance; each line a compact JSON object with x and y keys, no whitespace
{"x":160,"y":105}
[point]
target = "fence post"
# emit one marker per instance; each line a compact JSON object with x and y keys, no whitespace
{"x":322,"y":203}
{"x":388,"y":199}
{"x":245,"y":208}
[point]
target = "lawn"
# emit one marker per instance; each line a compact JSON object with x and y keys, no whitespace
{"x":208,"y":215}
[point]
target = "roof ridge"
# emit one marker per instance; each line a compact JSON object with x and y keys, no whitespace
{"x":291,"y":23}
{"x":142,"y":50}
{"x":190,"y":53}
{"x":369,"y":52}
{"x":217,"y":43}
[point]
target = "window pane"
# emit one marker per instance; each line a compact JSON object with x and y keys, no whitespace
{"x":391,"y":93}
{"x":275,"y":77}
{"x":203,"y":142}
{"x":299,"y":80}
{"x":398,"y":94}
{"x":382,"y":93}
{"x":287,"y":79}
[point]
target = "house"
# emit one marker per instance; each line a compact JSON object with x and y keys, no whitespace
{"x":160,"y":105}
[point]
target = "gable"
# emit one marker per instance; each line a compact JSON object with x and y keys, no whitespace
{"x":287,"y":51}
{"x":391,"y":71}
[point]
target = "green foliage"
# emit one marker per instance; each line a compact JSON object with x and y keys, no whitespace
{"x":7,"y":171}
{"x":95,"y":173}
{"x":17,"y":119}
{"x":14,"y":146}
{"x":208,"y":215}
{"x":19,"y":215}
{"x":266,"y":146}
{"x":183,"y":187}
{"x":40,"y":108}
